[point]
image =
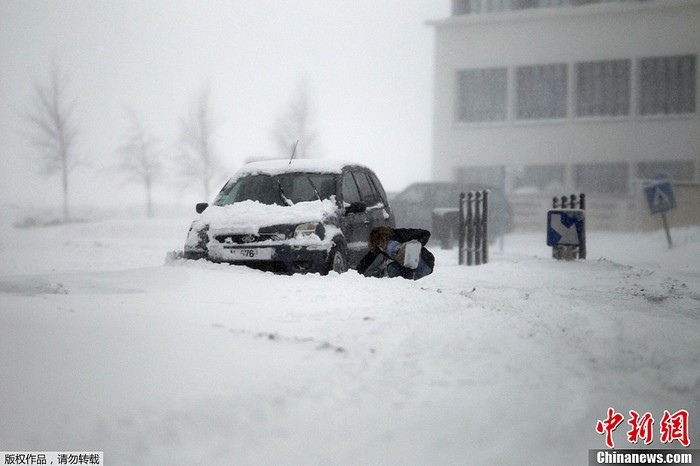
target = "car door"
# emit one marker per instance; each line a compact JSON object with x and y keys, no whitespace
{"x":377,"y":210}
{"x":356,"y":225}
{"x":388,"y":214}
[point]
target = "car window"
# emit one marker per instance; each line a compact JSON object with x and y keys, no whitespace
{"x":303,"y":187}
{"x":325,"y":184}
{"x":266,"y":189}
{"x":261,"y":188}
{"x":378,"y":187}
{"x":369,"y":195}
{"x":350,"y":192}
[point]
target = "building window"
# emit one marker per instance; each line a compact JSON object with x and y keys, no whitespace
{"x":482,"y":95}
{"x":676,"y":171}
{"x":465,"y":7}
{"x":541,"y":91}
{"x":668,"y":85}
{"x":539,"y":178}
{"x":603,"y":88}
{"x":460,"y":7}
{"x":523,"y":4}
{"x":607,"y":178}
{"x":481,"y":176}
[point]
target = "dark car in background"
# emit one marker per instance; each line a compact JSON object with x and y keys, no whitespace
{"x":299,"y":216}
{"x":435,"y":207}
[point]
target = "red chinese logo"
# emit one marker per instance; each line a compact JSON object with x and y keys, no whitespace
{"x":672,"y":427}
{"x":609,"y":425}
{"x":675,"y":427}
{"x":642,"y":427}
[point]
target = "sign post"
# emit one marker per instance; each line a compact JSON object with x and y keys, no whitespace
{"x":566,"y":227}
{"x":660,"y":199}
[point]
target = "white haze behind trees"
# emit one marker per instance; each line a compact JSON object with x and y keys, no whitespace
{"x":294,"y":128}
{"x":141,"y":159}
{"x":53,"y":131}
{"x":367,"y":66}
{"x":198,"y":163}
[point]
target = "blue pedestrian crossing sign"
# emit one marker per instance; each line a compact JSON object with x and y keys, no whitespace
{"x":565,"y":227}
{"x":660,"y":197}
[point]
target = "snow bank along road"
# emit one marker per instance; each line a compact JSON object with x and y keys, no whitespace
{"x":105,"y":348}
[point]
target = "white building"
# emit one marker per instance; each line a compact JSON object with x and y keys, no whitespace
{"x":564,"y":96}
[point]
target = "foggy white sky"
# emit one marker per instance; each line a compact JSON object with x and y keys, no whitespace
{"x":368,"y":65}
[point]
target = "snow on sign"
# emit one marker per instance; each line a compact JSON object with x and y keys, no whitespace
{"x":660,"y":197}
{"x":565,"y":227}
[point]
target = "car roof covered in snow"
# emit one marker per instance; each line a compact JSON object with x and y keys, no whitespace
{"x":277,"y":167}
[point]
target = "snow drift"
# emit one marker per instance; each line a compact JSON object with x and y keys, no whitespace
{"x":105,"y":348}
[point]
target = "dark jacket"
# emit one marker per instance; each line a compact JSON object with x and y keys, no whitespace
{"x":401,"y":235}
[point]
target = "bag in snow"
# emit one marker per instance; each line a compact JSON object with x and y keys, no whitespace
{"x":408,"y":254}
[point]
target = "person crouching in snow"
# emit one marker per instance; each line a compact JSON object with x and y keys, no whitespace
{"x":403,"y":253}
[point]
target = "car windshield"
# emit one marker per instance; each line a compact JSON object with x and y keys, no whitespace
{"x":285,"y":189}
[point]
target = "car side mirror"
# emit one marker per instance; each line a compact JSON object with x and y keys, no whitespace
{"x":356,"y":208}
{"x":201,"y":207}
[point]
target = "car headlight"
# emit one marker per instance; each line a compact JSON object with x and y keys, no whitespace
{"x":197,"y":238}
{"x":305,"y":230}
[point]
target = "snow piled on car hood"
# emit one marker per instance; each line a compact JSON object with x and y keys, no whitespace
{"x":250,"y":216}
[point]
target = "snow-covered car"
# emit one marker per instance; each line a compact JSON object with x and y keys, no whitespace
{"x":299,"y":216}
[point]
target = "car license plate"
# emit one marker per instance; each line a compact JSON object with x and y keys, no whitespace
{"x":243,"y":254}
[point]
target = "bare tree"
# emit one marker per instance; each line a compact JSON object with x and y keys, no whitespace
{"x":54,"y":131}
{"x":199,"y":162}
{"x":295,"y":124}
{"x":140,"y":158}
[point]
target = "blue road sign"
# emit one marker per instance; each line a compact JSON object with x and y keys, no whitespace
{"x":565,"y":227}
{"x":660,"y":197}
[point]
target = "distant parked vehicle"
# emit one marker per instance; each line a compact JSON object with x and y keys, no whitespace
{"x":303,"y":216}
{"x":435,"y":206}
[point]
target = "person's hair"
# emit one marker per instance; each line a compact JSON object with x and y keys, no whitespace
{"x":379,"y":237}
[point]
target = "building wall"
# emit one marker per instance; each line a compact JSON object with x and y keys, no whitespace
{"x":562,"y":35}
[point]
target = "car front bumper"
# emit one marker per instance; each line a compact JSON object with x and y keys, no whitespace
{"x":275,"y":258}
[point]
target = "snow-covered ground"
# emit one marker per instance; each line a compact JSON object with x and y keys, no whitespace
{"x":104,"y":347}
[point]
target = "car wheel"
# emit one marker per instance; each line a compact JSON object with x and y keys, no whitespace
{"x":337,"y":259}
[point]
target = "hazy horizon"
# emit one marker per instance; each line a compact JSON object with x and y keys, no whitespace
{"x":368,"y":68}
